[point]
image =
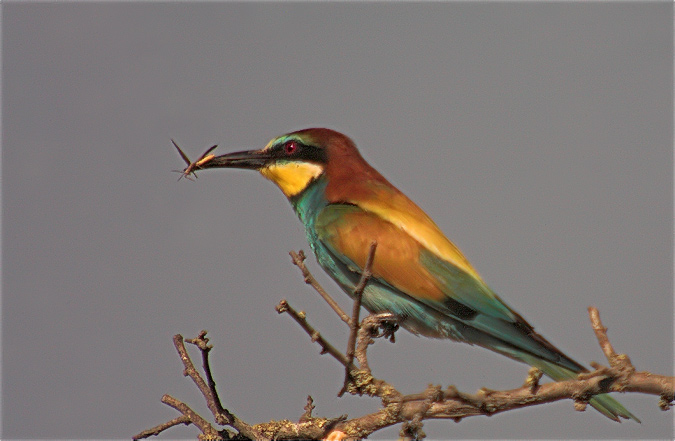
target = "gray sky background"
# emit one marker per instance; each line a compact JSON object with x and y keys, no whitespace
{"x":538,"y":136}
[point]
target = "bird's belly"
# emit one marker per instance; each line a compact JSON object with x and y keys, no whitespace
{"x":414,"y":316}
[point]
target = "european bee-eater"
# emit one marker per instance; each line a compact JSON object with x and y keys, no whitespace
{"x":418,"y":274}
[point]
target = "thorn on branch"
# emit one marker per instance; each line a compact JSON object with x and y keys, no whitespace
{"x":434,"y":394}
{"x":451,"y":392}
{"x":202,"y":342}
{"x":309,"y":407}
{"x":580,"y":405}
{"x":412,"y":429}
{"x":532,"y":380}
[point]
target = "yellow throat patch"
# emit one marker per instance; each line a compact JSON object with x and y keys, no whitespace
{"x":291,"y":177}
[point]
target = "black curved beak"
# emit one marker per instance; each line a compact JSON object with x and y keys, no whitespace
{"x":248,"y":159}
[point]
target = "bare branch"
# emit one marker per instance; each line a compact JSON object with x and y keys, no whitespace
{"x":299,"y":261}
{"x":223,"y":416}
{"x":433,"y":403}
{"x":301,"y":319}
{"x":409,"y":410}
{"x":622,"y":367}
{"x":191,"y":371}
{"x":601,"y":334}
{"x":202,"y":342}
{"x":309,"y":407}
{"x":206,"y":427}
{"x":162,"y":427}
{"x":367,"y":270}
{"x":356,"y":309}
{"x":358,"y":295}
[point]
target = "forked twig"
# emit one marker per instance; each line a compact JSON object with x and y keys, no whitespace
{"x":202,"y":342}
{"x":196,"y":419}
{"x":222,"y":416}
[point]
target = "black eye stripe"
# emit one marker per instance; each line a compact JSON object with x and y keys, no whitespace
{"x":300,"y":152}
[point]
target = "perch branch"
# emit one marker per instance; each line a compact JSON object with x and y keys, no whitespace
{"x":354,"y":324}
{"x":369,"y":329}
{"x":358,"y":296}
{"x":434,"y":402}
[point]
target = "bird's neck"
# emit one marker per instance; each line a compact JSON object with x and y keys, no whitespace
{"x":308,"y":203}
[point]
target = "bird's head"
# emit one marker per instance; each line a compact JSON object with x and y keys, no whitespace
{"x":294,"y":160}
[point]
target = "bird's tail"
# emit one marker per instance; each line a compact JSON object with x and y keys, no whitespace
{"x":603,"y":403}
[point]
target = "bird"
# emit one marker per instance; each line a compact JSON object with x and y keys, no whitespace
{"x":418,"y":274}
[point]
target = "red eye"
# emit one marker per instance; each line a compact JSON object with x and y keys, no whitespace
{"x":290,"y":147}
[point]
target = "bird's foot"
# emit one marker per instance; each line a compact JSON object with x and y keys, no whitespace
{"x":384,"y":324}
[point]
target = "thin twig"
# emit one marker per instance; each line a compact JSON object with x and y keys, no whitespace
{"x":358,"y":296}
{"x":601,"y":334}
{"x":367,"y":270}
{"x":299,"y":261}
{"x":620,"y":363}
{"x":326,"y":348}
{"x":196,"y":377}
{"x":223,"y":416}
{"x":202,"y":342}
{"x":206,"y":427}
{"x":356,"y":310}
{"x":183,"y":419}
